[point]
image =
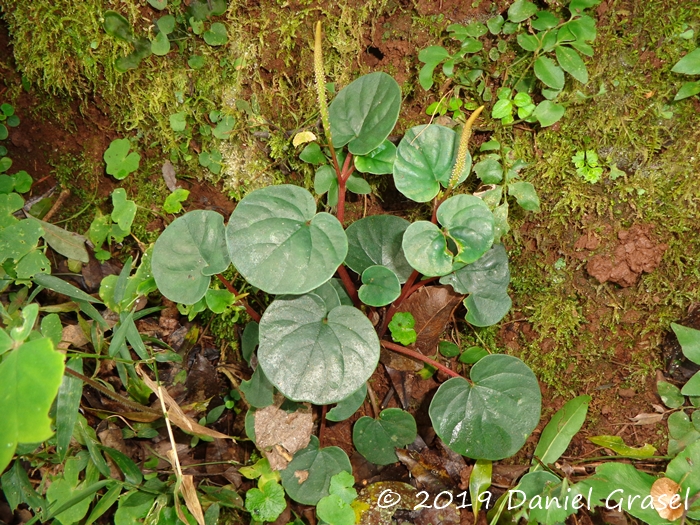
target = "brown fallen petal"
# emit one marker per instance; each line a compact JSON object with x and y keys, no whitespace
{"x":175,"y":414}
{"x":667,"y":501}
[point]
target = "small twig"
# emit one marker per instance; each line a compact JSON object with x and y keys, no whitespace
{"x":252,"y":313}
{"x":373,"y":400}
{"x":112,"y":395}
{"x":59,"y":202}
{"x":417,"y":355}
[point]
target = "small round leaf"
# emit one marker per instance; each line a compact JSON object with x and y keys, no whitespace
{"x":216,"y":35}
{"x":311,"y":354}
{"x":377,"y":439}
{"x":280,"y":244}
{"x":491,"y":417}
{"x":380,"y":286}
{"x":307,"y":478}
{"x":190,"y":250}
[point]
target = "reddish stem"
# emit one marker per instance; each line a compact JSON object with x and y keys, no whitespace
{"x":436,"y":205}
{"x":417,"y":355}
{"x":343,"y":176}
{"x":421,"y":284}
{"x":252,"y":313}
{"x":322,"y":425}
{"x":349,"y":286}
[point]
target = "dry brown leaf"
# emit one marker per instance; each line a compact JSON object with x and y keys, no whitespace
{"x":189,"y":493}
{"x":646,"y":419}
{"x":666,"y":500}
{"x":279,"y":434}
{"x":432,"y":308}
{"x":169,"y":175}
{"x":73,"y":334}
{"x":399,"y":362}
{"x":175,"y":414}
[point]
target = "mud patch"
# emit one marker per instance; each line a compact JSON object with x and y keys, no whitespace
{"x":636,"y":251}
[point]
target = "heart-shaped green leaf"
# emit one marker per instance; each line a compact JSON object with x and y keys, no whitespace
{"x":216,"y":35}
{"x":190,"y":250}
{"x":377,"y":240}
{"x":29,"y":380}
{"x":307,"y":478}
{"x":379,"y":161}
{"x":486,"y":280}
{"x":380,"y":286}
{"x":363,"y":114}
{"x":491,"y":417}
{"x":348,"y":406}
{"x":469,"y":224}
{"x":424,"y":161}
{"x":426,"y":250}
{"x":280,"y":244}
{"x":377,"y":439}
{"x":312,"y":354}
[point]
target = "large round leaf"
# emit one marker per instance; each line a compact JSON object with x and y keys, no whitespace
{"x":380,"y":286}
{"x":364,"y":113}
{"x":190,"y":250}
{"x":308,"y":476}
{"x":486,"y":280}
{"x":377,"y":439}
{"x":280,"y":244}
{"x":377,"y":240}
{"x":491,"y":417}
{"x":469,"y":224}
{"x":311,"y":354}
{"x":426,"y":250}
{"x":424,"y":161}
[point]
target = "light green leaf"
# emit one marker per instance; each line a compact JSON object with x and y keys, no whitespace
{"x":67,"y":405}
{"x":491,"y":417}
{"x":178,"y":123}
{"x":380,"y":286}
{"x":560,"y":430}
{"x":525,"y":194}
{"x":670,"y":394}
{"x":379,"y":161}
{"x":279,"y":243}
{"x":689,"y":64}
{"x":29,"y":380}
{"x":223,"y":128}
{"x":218,"y":300}
{"x":327,"y":355}
{"x":124,"y":210}
{"x":363,"y":114}
{"x":265,"y":503}
{"x":617,"y":445}
{"x":377,"y":439}
{"x":190,"y":250}
{"x":479,"y":482}
{"x":376,"y":240}
{"x":521,"y":10}
{"x":689,"y":339}
{"x":216,"y":35}
{"x":692,"y":387}
{"x":312,"y":154}
{"x":166,"y":24}
{"x":33,"y":263}
{"x":469,"y":224}
{"x":19,"y":239}
{"x":334,"y":511}
{"x":489,"y":171}
{"x":173,"y":202}
{"x":549,"y":73}
{"x":401,"y":328}
{"x":321,"y":464}
{"x":682,"y":470}
{"x":548,"y":113}
{"x":160,"y":45}
{"x":688,"y":89}
{"x":68,"y":244}
{"x":571,"y":62}
{"x":425,"y":247}
{"x":120,"y":162}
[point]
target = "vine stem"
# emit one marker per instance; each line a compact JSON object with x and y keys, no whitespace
{"x":417,"y":355}
{"x":349,"y":286}
{"x":252,"y":313}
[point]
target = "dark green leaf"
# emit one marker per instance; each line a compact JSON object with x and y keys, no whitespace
{"x":380,"y":286}
{"x":258,"y":391}
{"x":321,"y":464}
{"x":216,"y":35}
{"x":448,"y":349}
{"x":312,"y":154}
{"x":469,"y":224}
{"x":379,"y":161}
{"x":544,"y":20}
{"x":376,"y":240}
{"x":492,"y":417}
{"x":279,"y":243}
{"x":525,"y":194}
{"x":190,"y":250}
{"x":689,"y":339}
{"x":357,"y":184}
{"x":348,"y":406}
{"x":67,"y":404}
{"x":363,"y":114}
{"x":426,"y":248}
{"x":117,"y":26}
{"x":521,"y":10}
{"x":489,"y":171}
{"x":327,"y":356}
{"x":250,"y":340}
{"x":132,"y":474}
{"x":62,"y":287}
{"x":670,"y":394}
{"x":528,"y":42}
{"x":376,"y":439}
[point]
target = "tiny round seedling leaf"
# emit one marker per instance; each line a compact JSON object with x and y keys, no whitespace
{"x":166,"y":24}
{"x":377,"y":439}
{"x":363,"y":114}
{"x":311,"y":354}
{"x":380,"y":286}
{"x":190,"y":250}
{"x":117,"y":26}
{"x":279,"y":243}
{"x":424,"y":161}
{"x":160,"y":45}
{"x":196,"y":61}
{"x":376,"y":240}
{"x":23,"y":181}
{"x":491,"y":417}
{"x":307,"y":478}
{"x":216,"y":35}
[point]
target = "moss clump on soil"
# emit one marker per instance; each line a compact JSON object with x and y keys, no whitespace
{"x":625,"y":113}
